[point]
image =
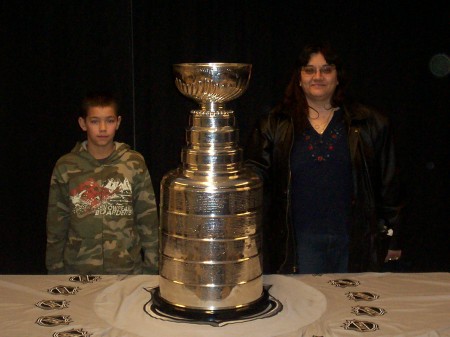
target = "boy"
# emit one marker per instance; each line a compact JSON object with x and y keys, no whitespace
{"x":102,"y":216}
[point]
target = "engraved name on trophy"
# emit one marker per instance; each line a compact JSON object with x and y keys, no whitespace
{"x":210,"y":210}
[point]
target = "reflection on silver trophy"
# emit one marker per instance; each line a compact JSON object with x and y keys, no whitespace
{"x":210,"y":230}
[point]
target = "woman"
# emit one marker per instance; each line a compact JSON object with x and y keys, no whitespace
{"x":328,"y":166}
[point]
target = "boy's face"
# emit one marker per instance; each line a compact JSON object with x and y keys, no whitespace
{"x":100,"y":124}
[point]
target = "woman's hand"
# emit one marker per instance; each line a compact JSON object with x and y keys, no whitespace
{"x":393,"y":255}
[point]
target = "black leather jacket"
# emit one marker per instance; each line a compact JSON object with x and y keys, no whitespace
{"x":375,"y":205}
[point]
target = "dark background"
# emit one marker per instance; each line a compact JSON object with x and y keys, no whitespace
{"x":53,"y":52}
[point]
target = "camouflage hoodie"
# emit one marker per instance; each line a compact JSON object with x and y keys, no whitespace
{"x":101,"y":213}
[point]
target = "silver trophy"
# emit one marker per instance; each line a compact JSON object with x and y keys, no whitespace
{"x":210,"y":209}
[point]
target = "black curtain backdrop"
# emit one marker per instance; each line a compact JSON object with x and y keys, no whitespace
{"x":53,"y":52}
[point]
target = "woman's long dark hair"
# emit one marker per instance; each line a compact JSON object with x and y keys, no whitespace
{"x":294,"y":101}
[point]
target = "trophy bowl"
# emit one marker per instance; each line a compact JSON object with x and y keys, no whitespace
{"x":212,"y":84}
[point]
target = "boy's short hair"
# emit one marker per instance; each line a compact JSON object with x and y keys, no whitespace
{"x":98,"y":98}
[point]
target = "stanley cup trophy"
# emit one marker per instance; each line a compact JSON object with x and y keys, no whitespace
{"x":210,"y":210}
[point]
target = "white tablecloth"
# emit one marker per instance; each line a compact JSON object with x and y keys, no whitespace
{"x":113,"y":306}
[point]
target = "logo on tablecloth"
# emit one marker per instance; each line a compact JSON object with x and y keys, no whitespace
{"x":343,"y":283}
{"x":52,"y":304}
{"x":72,"y":333}
{"x":84,"y":278}
{"x":369,"y":311}
{"x":63,"y":290}
{"x":54,"y":320}
{"x":362,"y":296}
{"x":361,"y":326}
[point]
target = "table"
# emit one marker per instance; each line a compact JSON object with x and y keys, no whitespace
{"x":415,"y":304}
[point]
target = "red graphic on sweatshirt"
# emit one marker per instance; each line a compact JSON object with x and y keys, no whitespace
{"x":90,"y":195}
{"x":90,"y":192}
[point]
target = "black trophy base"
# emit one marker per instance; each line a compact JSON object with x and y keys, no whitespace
{"x":204,"y":315}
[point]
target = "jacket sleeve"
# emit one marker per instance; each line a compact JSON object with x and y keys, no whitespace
{"x":258,"y":152}
{"x":58,"y":217}
{"x":390,"y":206}
{"x":146,"y":217}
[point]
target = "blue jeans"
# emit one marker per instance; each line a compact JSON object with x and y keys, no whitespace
{"x":322,"y":253}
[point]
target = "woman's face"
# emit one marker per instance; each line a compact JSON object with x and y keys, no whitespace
{"x":318,"y":79}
